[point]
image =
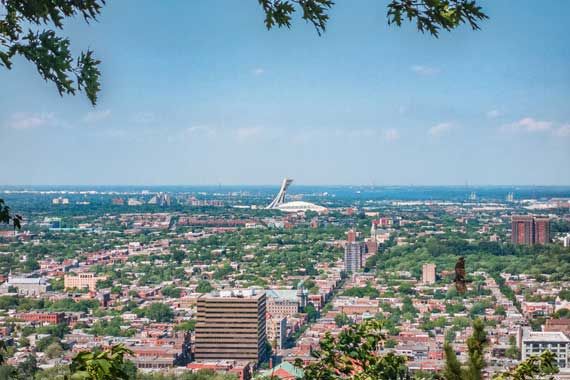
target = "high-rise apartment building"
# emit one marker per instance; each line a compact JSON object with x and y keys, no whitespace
{"x":541,"y":230}
{"x":428,"y":273}
{"x":277,"y":332}
{"x":353,"y":252}
{"x":522,"y":229}
{"x":529,"y":230}
{"x":231,"y":326}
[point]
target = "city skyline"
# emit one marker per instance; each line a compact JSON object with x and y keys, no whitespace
{"x":226,"y":101}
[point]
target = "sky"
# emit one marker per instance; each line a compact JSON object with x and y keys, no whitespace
{"x":199,"y":92}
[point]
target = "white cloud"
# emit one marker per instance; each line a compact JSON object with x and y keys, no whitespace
{"x":258,"y":71}
{"x":493,"y":114}
{"x":112,"y":133}
{"x":143,"y":117}
{"x":30,"y":120}
{"x":391,"y":135}
{"x":440,"y":129}
{"x":424,"y":70}
{"x":562,"y":131}
{"x":96,"y":116}
{"x":528,"y":124}
{"x":201,"y":130}
{"x":248,"y":133}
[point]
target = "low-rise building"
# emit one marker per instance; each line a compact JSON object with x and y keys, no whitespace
{"x":82,"y":280}
{"x":26,"y":286}
{"x":535,"y":342}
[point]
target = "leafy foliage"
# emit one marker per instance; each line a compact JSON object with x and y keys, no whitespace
{"x":429,"y":15}
{"x":452,"y":369}
{"x":476,"y":344}
{"x":50,"y":53}
{"x":2,"y":352}
{"x":434,"y":15}
{"x":279,"y":12}
{"x":341,"y":319}
{"x":204,"y":287}
{"x":159,"y":312}
{"x":366,"y":291}
{"x":535,"y":367}
{"x":105,"y":365}
{"x":354,"y":354}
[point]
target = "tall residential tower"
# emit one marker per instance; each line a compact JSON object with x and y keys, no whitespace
{"x":530,"y":230}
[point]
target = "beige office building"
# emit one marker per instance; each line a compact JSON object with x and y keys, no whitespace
{"x":82,"y":280}
{"x":231,"y":326}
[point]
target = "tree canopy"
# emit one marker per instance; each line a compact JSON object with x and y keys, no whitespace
{"x":357,"y":353}
{"x":22,"y":33}
{"x":7,"y":218}
{"x":429,"y":15}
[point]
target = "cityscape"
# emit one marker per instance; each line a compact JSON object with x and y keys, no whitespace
{"x":244,"y":284}
{"x":284,"y":190}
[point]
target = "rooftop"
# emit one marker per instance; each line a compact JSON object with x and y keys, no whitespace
{"x":540,"y":336}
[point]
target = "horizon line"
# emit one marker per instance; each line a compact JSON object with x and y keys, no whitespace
{"x":277,"y":185}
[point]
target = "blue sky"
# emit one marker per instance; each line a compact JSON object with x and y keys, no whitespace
{"x":199,"y":92}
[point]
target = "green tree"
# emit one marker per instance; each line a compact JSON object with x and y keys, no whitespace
{"x":562,"y":313}
{"x":312,"y":313}
{"x":535,"y":367}
{"x":28,"y":367}
{"x":204,"y":286}
{"x":44,"y":343}
{"x":452,"y":369}
{"x":186,"y":326}
{"x":5,"y":215}
{"x":159,"y":312}
{"x":54,"y":350}
{"x":51,"y":54}
{"x":353,"y":355}
{"x":429,"y":16}
{"x":8,"y":372}
{"x":105,"y":365}
{"x":2,"y":352}
{"x":59,"y":372}
{"x":513,"y":351}
{"x":476,"y":345}
{"x":500,"y":310}
{"x":341,"y":319}
{"x":171,"y":292}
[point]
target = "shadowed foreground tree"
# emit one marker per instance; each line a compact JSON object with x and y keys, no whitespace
{"x":105,"y":365}
{"x":535,"y":367}
{"x":473,"y":370}
{"x":28,"y":29}
{"x":354,"y":355}
{"x":7,"y":218}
